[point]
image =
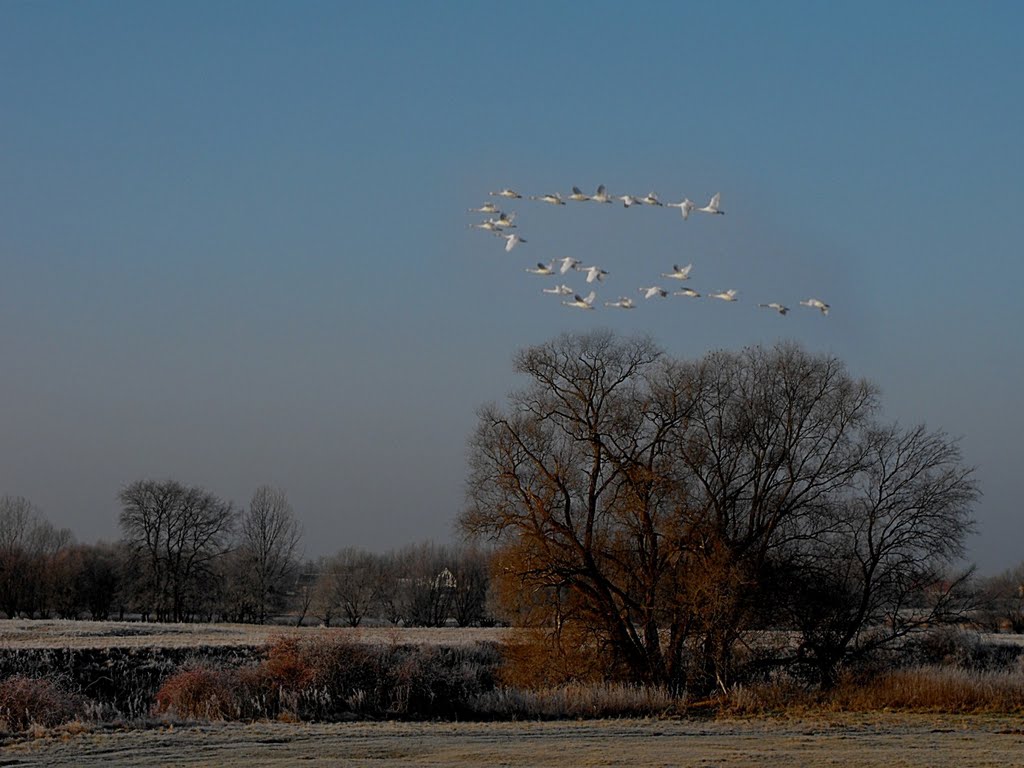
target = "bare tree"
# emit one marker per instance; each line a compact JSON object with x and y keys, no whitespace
{"x":269,"y":541}
{"x":101,"y":579}
{"x":175,"y":533}
{"x":425,"y":584}
{"x":29,"y":546}
{"x":470,"y":582}
{"x":655,"y":502}
{"x":543,"y":475}
{"x":354,"y":578}
{"x":324,"y":601}
{"x":881,"y":567}
{"x":17,"y":519}
{"x":305,"y":590}
{"x":1002,"y":599}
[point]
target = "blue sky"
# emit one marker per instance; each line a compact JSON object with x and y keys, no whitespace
{"x":234,"y":244}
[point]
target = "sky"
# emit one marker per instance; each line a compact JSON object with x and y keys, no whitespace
{"x":234,"y":242}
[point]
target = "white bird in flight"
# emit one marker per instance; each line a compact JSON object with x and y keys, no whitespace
{"x":654,"y":290}
{"x":511,"y":241}
{"x":567,"y":263}
{"x":593,"y":273}
{"x":601,"y":196}
{"x":559,"y":290}
{"x":729,"y":295}
{"x":552,"y":199}
{"x":490,"y":225}
{"x":712,"y":207}
{"x":506,"y":193}
{"x":684,"y":207}
{"x":651,"y":199}
{"x":587,"y":303}
{"x":686,"y":292}
{"x":624,"y":302}
{"x":542,"y":269}
{"x":817,"y":304}
{"x":776,"y":306}
{"x":679,"y":273}
{"x":485,"y":208}
{"x":578,"y":195}
{"x":504,"y":221}
{"x":628,"y":200}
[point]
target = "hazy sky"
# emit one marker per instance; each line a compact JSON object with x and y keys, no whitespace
{"x":234,"y":245}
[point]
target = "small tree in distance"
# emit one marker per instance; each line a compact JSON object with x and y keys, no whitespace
{"x":268,"y":549}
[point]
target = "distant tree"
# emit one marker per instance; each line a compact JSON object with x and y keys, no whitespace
{"x":425,"y":584}
{"x":174,"y":533}
{"x":324,"y":603}
{"x":268,"y":549}
{"x":64,"y":581}
{"x":100,"y":579}
{"x":18,"y":517}
{"x":28,"y":546}
{"x":470,"y":569}
{"x":351,"y":582}
{"x":1001,"y":601}
{"x":391,"y":577}
{"x":304,"y":590}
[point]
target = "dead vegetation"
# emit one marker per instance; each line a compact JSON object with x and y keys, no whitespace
{"x":321,"y":676}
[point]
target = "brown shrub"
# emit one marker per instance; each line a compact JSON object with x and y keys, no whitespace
{"x":200,"y":694}
{"x":27,"y":701}
{"x":287,"y":663}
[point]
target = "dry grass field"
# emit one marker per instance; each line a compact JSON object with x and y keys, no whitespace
{"x":25,"y":633}
{"x":890,"y":740}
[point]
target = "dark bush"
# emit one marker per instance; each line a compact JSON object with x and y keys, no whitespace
{"x":952,"y":647}
{"x":26,"y":701}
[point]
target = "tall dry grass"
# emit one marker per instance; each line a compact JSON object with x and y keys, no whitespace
{"x":576,"y":700}
{"x":935,"y":689}
{"x":930,"y":688}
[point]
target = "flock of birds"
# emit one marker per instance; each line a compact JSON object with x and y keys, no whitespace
{"x":500,"y":223}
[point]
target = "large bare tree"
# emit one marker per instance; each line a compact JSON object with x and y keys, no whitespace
{"x":662,"y":504}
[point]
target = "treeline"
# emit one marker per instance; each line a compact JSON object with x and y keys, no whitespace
{"x":185,"y":554}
